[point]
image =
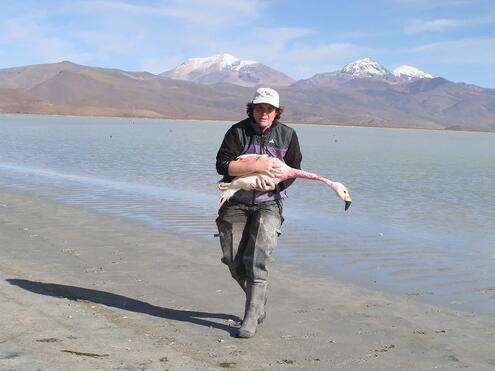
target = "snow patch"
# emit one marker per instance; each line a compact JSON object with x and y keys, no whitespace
{"x":365,"y":67}
{"x":411,"y":72}
{"x":217,"y":62}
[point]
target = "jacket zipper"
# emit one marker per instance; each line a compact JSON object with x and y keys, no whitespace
{"x":262,"y":151}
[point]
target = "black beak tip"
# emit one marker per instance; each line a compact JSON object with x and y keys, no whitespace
{"x":347,"y":205}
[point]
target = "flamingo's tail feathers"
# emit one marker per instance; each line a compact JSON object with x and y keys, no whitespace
{"x":226,"y":195}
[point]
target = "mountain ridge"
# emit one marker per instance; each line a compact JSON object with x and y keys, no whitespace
{"x":328,"y":98}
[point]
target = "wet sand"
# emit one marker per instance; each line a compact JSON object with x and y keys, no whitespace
{"x":82,"y":291}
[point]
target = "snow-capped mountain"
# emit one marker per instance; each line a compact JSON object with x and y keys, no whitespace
{"x":217,"y":63}
{"x":366,"y":67}
{"x":369,"y":68}
{"x":410,"y":73}
{"x":366,"y":73}
{"x":225,"y":68}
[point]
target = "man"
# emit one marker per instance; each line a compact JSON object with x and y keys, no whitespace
{"x":249,"y":223}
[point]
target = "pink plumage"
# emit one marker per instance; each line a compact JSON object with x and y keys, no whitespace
{"x":248,"y":182}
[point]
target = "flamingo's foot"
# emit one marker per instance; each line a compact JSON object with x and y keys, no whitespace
{"x":223,"y":186}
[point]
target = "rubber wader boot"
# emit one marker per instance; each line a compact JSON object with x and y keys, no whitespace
{"x":255,"y":302}
{"x":262,"y":315}
{"x":241,"y":282}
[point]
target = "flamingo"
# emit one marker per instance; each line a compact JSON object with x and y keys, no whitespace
{"x":248,"y":182}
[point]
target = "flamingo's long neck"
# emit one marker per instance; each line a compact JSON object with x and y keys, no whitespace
{"x":289,"y":172}
{"x":297,"y":173}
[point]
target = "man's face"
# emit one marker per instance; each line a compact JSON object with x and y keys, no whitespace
{"x":264,"y":114}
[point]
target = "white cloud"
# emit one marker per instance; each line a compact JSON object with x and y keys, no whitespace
{"x":30,"y":35}
{"x":460,"y":52}
{"x":52,"y":49}
{"x":307,"y":60}
{"x":281,"y":33}
{"x":291,"y":50}
{"x":358,"y":34}
{"x":123,"y":7}
{"x":435,"y":25}
{"x":110,"y":42}
{"x":263,"y":44}
{"x":13,"y":30}
{"x":21,"y":28}
{"x":199,"y":12}
{"x":300,"y":60}
{"x":426,"y":5}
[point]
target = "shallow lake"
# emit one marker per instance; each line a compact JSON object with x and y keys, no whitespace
{"x":422,"y":222}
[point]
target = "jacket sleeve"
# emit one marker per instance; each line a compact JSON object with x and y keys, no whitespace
{"x":293,"y":158}
{"x":229,"y":150}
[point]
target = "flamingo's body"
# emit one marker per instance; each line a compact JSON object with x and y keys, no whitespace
{"x":248,"y":182}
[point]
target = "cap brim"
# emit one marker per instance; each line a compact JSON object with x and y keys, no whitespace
{"x":260,"y":101}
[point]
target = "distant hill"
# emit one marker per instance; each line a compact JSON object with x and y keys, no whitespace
{"x":364,"y":94}
{"x":68,"y":88}
{"x":368,"y":94}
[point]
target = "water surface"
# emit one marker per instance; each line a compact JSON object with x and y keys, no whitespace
{"x":422,"y":222}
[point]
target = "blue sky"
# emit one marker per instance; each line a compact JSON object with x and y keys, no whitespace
{"x":454,"y":39}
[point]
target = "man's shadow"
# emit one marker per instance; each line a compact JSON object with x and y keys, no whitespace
{"x":125,"y":303}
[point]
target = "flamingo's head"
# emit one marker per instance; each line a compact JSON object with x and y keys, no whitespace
{"x":342,"y":193}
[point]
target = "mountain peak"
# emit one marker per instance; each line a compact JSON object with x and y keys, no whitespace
{"x":365,"y":67}
{"x":225,"y":68}
{"x":216,"y":62}
{"x":410,"y":73}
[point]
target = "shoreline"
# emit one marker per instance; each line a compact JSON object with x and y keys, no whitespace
{"x":335,"y":125}
{"x":85,"y":291}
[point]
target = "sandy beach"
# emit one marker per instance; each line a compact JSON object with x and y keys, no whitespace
{"x":82,"y":291}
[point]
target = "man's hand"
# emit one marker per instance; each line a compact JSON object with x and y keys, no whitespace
{"x":264,"y":183}
{"x":268,"y":165}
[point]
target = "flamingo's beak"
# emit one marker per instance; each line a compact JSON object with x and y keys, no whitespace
{"x":348,"y":201}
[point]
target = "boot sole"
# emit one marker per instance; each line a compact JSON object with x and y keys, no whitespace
{"x":241,"y":334}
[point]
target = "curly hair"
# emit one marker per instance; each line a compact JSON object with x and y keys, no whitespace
{"x":250,"y":111}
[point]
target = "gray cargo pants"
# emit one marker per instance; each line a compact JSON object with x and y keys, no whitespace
{"x":248,"y":234}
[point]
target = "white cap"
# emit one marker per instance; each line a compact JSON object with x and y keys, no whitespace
{"x":266,"y":95}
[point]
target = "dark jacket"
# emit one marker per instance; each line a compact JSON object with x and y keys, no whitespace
{"x":244,"y":138}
